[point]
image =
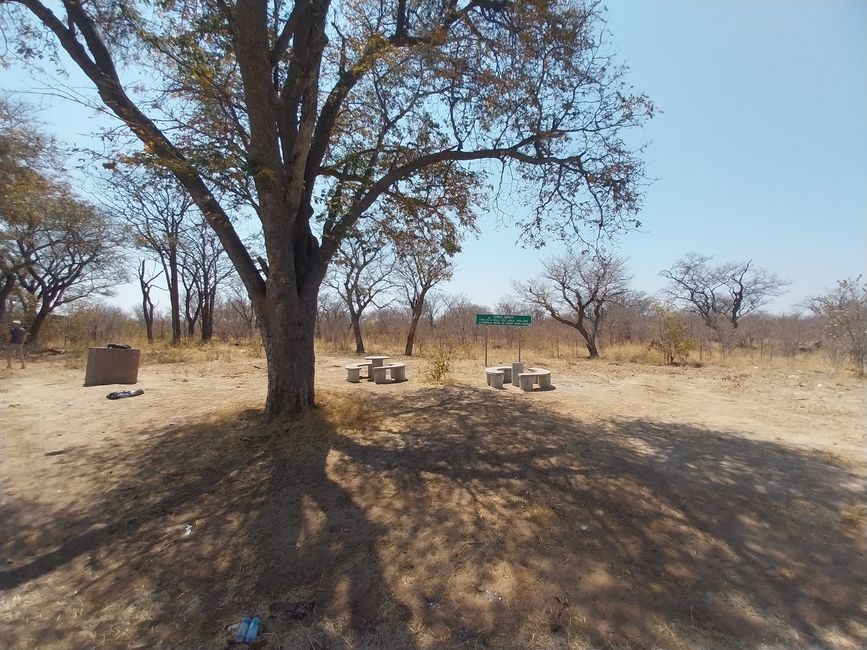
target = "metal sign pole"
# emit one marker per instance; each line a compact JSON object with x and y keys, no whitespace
{"x":486,"y":345}
{"x":519,"y":344}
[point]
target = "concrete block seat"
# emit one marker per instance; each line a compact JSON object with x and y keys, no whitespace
{"x":353,"y":371}
{"x":496,"y":375}
{"x":396,"y":371}
{"x":533,"y":376}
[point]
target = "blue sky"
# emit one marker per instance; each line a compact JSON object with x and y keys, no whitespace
{"x":760,"y":151}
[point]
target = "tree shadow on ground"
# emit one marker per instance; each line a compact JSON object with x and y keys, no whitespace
{"x":196,"y":527}
{"x":448,"y":518}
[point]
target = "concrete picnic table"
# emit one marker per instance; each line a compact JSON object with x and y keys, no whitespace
{"x":517,"y":376}
{"x":376,"y":361}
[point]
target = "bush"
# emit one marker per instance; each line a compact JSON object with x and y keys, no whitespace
{"x":437,"y":365}
{"x":675,"y":343}
{"x":845,"y":312}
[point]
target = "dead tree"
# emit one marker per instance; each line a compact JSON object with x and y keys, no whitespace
{"x":720,"y":295}
{"x":361,"y":274}
{"x":576,"y":290}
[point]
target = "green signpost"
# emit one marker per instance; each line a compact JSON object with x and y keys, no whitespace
{"x":502,"y":320}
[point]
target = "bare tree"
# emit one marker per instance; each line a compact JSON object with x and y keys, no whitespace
{"x":159,"y":212}
{"x":434,"y":304}
{"x":720,"y":294}
{"x":845,"y":312}
{"x":146,"y":279}
{"x":458,"y":319}
{"x":576,"y":290}
{"x":421,"y":266}
{"x":630,"y":318}
{"x":203,"y":267}
{"x":238,"y":309}
{"x":361,"y":274}
{"x":331,"y":319}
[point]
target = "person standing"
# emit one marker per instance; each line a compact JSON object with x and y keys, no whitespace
{"x":16,"y":343}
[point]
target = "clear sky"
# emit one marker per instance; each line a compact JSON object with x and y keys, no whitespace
{"x":760,"y":151}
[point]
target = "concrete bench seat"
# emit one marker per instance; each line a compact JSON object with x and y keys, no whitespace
{"x":494,"y":377}
{"x":353,"y":371}
{"x":533,"y":376}
{"x":396,"y":371}
{"x":497,"y":375}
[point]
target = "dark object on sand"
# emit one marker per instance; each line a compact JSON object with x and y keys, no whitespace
{"x":294,"y":610}
{"x":118,"y":346}
{"x":120,"y":394}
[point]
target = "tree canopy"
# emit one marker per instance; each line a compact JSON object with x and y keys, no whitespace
{"x":55,"y":248}
{"x":723,"y":293}
{"x":320,"y":116}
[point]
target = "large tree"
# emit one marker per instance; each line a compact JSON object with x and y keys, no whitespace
{"x":28,"y":160}
{"x":55,"y":248}
{"x":70,"y":253}
{"x":315,"y":114}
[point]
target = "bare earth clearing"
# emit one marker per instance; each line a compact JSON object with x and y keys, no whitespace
{"x":630,"y":507}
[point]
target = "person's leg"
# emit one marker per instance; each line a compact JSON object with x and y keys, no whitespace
{"x":23,"y":356}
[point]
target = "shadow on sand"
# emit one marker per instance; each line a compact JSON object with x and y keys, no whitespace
{"x":455,"y":518}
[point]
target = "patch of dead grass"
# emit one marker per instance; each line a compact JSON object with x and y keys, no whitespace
{"x":448,"y":518}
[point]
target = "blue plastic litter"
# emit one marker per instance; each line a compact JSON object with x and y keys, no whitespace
{"x":241,"y":633}
{"x":253,"y":630}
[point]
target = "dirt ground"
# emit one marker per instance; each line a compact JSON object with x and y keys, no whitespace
{"x":629,"y":507}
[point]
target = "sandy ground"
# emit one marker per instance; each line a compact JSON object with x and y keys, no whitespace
{"x":631,"y":506}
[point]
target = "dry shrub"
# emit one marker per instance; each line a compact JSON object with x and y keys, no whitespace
{"x":438,"y":366}
{"x":74,"y":360}
{"x":675,"y":341}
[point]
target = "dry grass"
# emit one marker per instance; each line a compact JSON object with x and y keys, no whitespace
{"x":854,"y":515}
{"x":449,"y":517}
{"x":634,"y":353}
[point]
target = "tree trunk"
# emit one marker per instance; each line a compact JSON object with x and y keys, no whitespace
{"x":287,"y":335}
{"x":5,"y":291}
{"x":588,"y":336}
{"x":38,"y":322}
{"x":413,"y":326}
{"x":147,"y":305}
{"x":174,"y":295}
{"x":356,"y":330}
{"x":591,"y":347}
{"x":192,"y":315}
{"x":208,"y":316}
{"x":147,"y":308}
{"x":149,"y":326}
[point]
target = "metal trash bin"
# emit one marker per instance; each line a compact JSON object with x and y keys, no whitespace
{"x":111,"y":366}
